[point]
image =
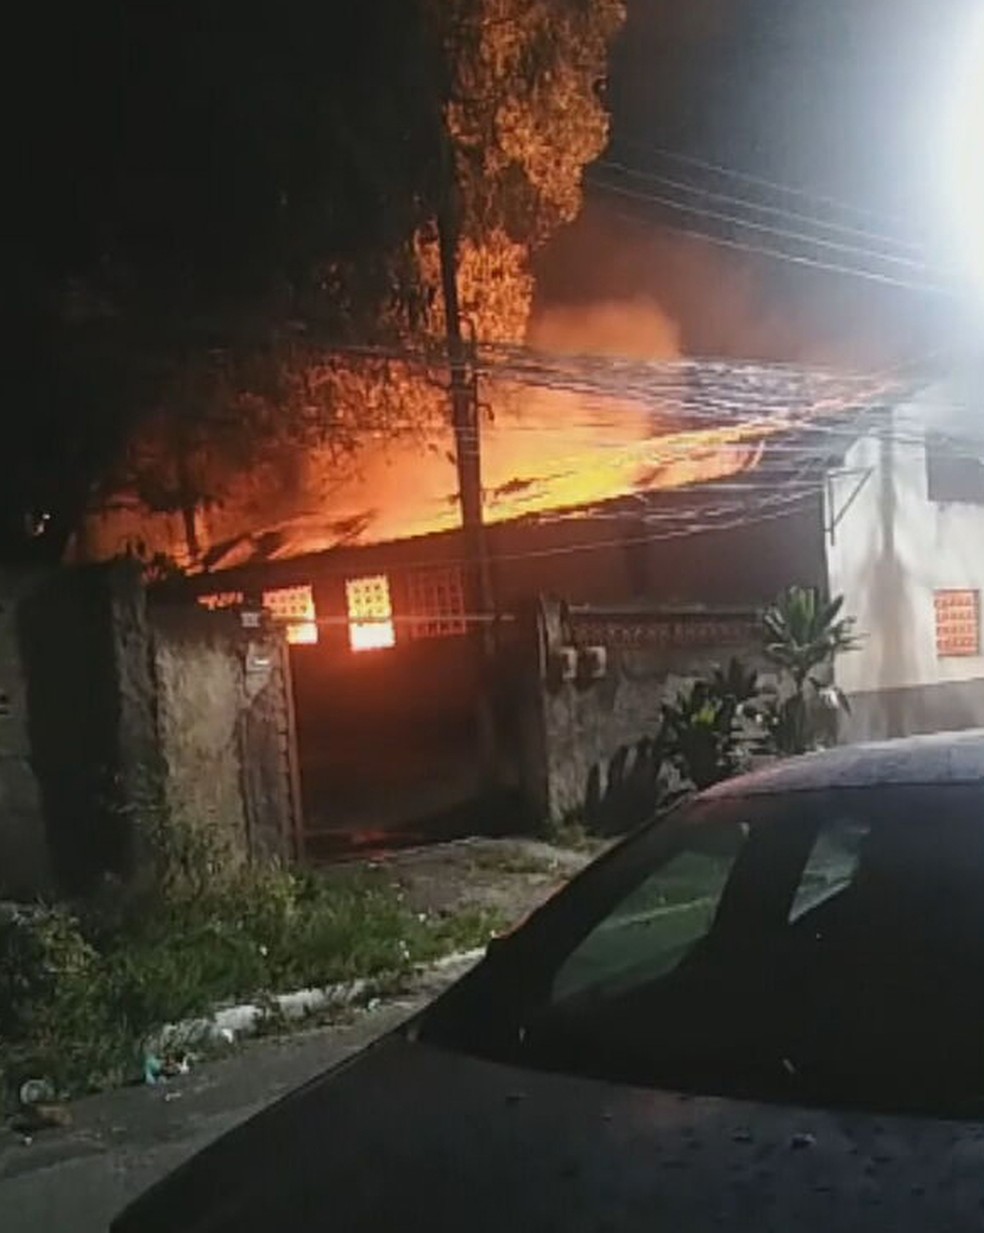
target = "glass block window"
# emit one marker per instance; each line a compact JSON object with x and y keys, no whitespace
{"x":294,"y":607}
{"x":370,"y":613}
{"x":436,"y":600}
{"x":958,"y":623}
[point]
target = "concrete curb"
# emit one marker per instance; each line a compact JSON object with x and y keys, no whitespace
{"x":235,"y":1022}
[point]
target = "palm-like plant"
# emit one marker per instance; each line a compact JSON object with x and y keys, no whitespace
{"x":804,"y":634}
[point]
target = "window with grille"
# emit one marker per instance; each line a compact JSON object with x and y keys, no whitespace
{"x":958,"y":623}
{"x":294,"y":607}
{"x":370,"y":613}
{"x":290,"y":606}
{"x":436,"y":599}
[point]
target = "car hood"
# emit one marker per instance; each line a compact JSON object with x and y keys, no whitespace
{"x":408,"y":1135}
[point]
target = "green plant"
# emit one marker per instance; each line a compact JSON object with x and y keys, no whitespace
{"x":803,"y":635}
{"x":80,"y":991}
{"x":701,"y":733}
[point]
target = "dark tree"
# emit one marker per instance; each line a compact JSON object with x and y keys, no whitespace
{"x":197,"y":185}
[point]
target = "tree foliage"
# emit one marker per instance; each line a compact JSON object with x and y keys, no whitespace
{"x":232,"y":194}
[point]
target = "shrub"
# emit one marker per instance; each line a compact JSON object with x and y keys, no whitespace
{"x":80,"y":991}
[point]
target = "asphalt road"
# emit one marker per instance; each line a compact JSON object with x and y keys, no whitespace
{"x":76,"y":1180}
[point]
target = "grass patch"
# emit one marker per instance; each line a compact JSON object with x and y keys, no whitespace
{"x":515,"y":861}
{"x":573,"y":834}
{"x":81,"y":990}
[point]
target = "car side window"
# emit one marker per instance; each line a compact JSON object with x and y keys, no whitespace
{"x":655,"y":927}
{"x":831,"y":865}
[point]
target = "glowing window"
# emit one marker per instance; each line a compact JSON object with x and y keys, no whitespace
{"x":294,"y":607}
{"x":958,"y":623}
{"x":222,"y":599}
{"x":370,"y":613}
{"x":437,"y":603}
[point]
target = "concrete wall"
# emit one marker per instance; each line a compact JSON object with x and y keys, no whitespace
{"x":592,"y":726}
{"x":222,"y":730}
{"x":891,"y":549}
{"x":110,"y":715}
{"x":89,"y":718}
{"x":25,"y":866}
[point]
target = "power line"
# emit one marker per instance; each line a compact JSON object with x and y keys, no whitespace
{"x":797,"y":237}
{"x":747,"y":203}
{"x":689,"y":160}
{"x":768,"y":509}
{"x":827,"y":267}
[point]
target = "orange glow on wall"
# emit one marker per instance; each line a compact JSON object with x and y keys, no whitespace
{"x":437,"y":601}
{"x":370,"y":613}
{"x":220,"y":600}
{"x":291,"y":606}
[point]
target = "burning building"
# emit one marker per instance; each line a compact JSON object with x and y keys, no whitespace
{"x":602,"y":483}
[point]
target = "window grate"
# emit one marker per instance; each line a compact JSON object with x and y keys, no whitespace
{"x":958,"y":623}
{"x":436,"y":598}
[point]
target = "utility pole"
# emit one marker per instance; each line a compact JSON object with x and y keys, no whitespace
{"x":467,"y":439}
{"x":465,"y":420}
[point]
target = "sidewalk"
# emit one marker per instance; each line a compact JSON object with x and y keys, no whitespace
{"x":76,"y":1180}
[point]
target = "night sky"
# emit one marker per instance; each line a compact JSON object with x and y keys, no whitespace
{"x":838,"y":97}
{"x":831,"y":96}
{"x":841,"y":98}
{"x":161,"y":129}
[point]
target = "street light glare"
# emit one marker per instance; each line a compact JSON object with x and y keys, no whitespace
{"x":963,"y":149}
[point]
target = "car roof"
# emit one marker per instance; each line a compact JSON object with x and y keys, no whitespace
{"x":943,"y":758}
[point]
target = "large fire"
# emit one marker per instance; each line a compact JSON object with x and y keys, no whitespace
{"x":554,"y":452}
{"x":544,"y":451}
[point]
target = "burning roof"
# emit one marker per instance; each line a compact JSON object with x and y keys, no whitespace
{"x":567,"y":434}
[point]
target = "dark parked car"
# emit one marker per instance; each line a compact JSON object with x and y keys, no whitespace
{"x":765,"y":1012}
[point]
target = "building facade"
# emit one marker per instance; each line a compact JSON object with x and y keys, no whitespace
{"x":905,"y":546}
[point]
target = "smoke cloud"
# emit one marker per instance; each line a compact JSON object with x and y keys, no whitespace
{"x":637,"y":329}
{"x":612,"y":282}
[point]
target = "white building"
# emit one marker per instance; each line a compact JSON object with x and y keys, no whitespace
{"x":905,"y":547}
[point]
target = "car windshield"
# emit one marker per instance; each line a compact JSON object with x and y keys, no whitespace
{"x":821,"y":946}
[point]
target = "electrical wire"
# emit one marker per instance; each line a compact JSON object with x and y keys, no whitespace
{"x":761,"y":250}
{"x":762,"y":208}
{"x":778,"y":506}
{"x":781,"y":233}
{"x":689,"y":160}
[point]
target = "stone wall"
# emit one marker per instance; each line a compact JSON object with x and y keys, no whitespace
{"x":222,"y":729}
{"x":75,"y":631}
{"x":25,"y":867}
{"x":595,"y":724}
{"x":114,"y":716}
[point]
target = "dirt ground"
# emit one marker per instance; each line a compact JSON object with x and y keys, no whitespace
{"x":507,"y":877}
